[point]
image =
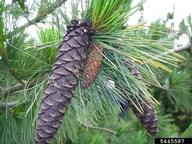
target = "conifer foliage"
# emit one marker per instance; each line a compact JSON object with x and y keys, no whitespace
{"x":99,"y":47}
{"x":107,"y":19}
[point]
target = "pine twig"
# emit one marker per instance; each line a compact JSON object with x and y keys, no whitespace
{"x":6,"y":105}
{"x":11,"y":71}
{"x":17,"y":87}
{"x":14,"y":88}
{"x":177,"y":49}
{"x":180,"y":48}
{"x":40,"y":17}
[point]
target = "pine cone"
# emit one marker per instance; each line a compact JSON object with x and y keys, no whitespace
{"x":63,"y":79}
{"x":148,"y":118}
{"x":92,"y":65}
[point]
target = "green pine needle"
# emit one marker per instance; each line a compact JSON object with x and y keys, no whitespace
{"x":109,"y":15}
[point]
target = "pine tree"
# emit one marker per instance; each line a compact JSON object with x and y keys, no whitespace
{"x":93,"y":107}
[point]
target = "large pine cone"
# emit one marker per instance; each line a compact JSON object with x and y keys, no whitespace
{"x":63,"y":79}
{"x":92,"y":65}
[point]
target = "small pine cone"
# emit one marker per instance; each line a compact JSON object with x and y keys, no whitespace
{"x":148,"y":118}
{"x":92,"y":65}
{"x":62,"y":80}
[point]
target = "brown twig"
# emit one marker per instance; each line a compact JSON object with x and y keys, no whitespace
{"x":12,"y":89}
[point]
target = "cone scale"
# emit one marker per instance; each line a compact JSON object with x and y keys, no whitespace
{"x":63,"y":80}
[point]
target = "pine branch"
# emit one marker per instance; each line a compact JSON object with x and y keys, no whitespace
{"x":181,"y":47}
{"x":40,"y":17}
{"x":6,"y":105}
{"x":11,"y":71}
{"x":18,"y":86}
{"x":12,"y":89}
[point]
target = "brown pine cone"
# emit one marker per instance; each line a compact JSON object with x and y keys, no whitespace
{"x":63,"y":79}
{"x":92,"y":65}
{"x":148,"y":118}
